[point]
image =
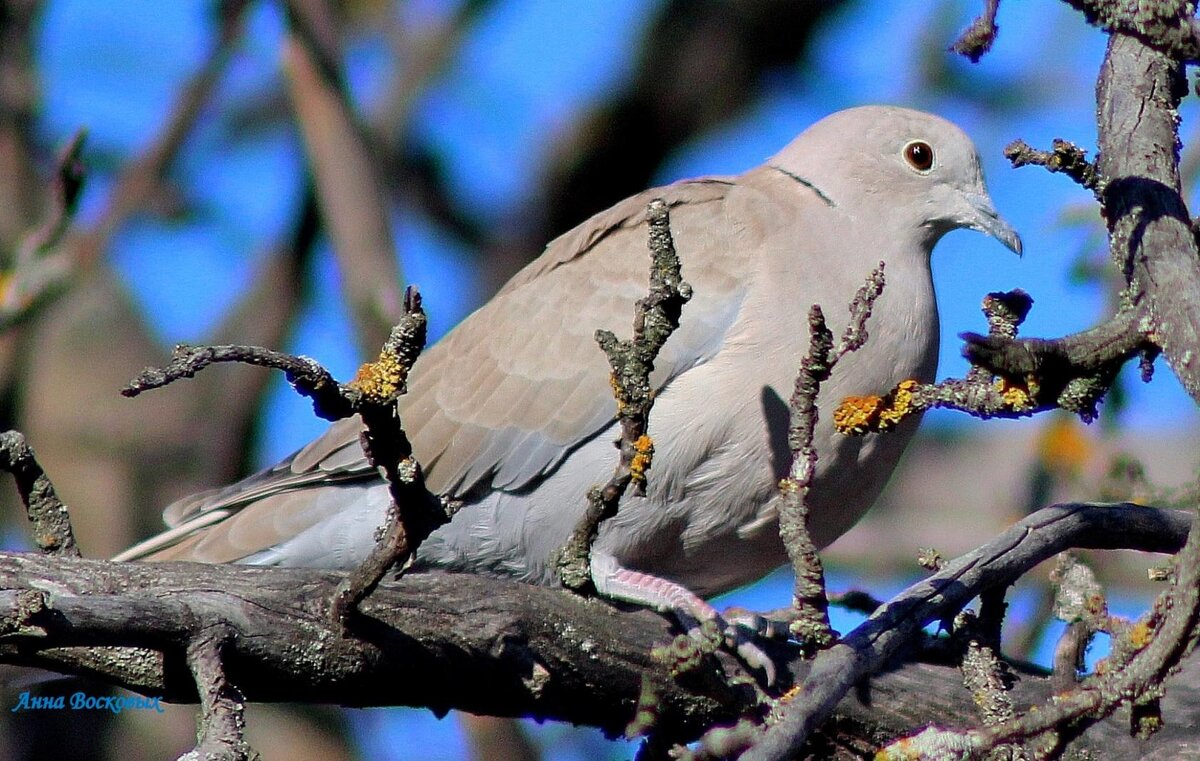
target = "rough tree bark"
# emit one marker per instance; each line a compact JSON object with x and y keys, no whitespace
{"x":507,"y":649}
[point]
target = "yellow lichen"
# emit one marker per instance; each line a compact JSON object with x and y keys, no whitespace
{"x":857,"y":414}
{"x":382,"y":378}
{"x":644,"y":448}
{"x":1141,"y":634}
{"x":1015,"y":396}
{"x":900,"y":405}
{"x":615,"y":384}
{"x":901,"y":749}
{"x":860,"y":414}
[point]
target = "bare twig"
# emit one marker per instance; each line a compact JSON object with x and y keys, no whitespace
{"x":979,"y":37}
{"x":811,"y":623}
{"x":19,"y":104}
{"x":40,"y":267}
{"x":1064,"y":157}
{"x":655,"y":318}
{"x":331,"y":400}
{"x":139,"y":180}
{"x":372,"y":394}
{"x":48,"y":515}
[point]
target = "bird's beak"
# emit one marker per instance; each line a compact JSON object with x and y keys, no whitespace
{"x":982,"y":216}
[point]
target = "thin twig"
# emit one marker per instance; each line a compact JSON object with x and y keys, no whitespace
{"x":811,"y":622}
{"x":41,"y":267}
{"x":979,"y":37}
{"x":48,"y":515}
{"x":414,"y":512}
{"x":1064,"y":157}
{"x":141,"y":178}
{"x":346,"y":169}
{"x":331,"y":400}
{"x":656,"y":316}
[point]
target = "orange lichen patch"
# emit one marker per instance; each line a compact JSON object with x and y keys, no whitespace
{"x":1141,"y":634}
{"x":644,"y":447}
{"x":381,"y":379}
{"x":900,"y":405}
{"x":860,"y":414}
{"x":904,"y":748}
{"x":615,"y":385}
{"x":790,"y":694}
{"x":857,"y":414}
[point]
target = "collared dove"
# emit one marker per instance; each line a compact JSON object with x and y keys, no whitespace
{"x":512,"y":412}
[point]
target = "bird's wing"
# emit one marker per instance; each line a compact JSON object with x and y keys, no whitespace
{"x":506,"y":395}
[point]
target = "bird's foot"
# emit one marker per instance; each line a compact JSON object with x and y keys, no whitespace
{"x":765,"y":626}
{"x":700,"y":620}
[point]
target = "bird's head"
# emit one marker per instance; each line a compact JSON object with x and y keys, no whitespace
{"x":914,"y":169}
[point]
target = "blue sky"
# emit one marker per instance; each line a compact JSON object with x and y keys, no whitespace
{"x":527,"y":70}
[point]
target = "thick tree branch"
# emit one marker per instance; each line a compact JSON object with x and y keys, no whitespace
{"x":541,"y":652}
{"x":1150,"y":233}
{"x":1169,"y":27}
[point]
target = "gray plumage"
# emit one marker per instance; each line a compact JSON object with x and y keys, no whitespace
{"x":512,"y":411}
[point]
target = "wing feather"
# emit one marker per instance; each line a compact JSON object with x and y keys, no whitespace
{"x":506,"y":395}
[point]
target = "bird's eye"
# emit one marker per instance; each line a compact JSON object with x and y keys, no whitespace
{"x":919,"y":155}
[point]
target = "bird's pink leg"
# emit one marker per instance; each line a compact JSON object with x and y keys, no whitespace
{"x":619,"y":583}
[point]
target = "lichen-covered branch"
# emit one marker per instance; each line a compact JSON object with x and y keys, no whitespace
{"x":999,"y":562}
{"x":1166,"y":26}
{"x":372,"y":394}
{"x":414,"y":513}
{"x":810,"y":623}
{"x":985,"y":674}
{"x":1150,"y":234}
{"x":1013,"y":377}
{"x":1064,"y":157}
{"x":655,"y":317}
